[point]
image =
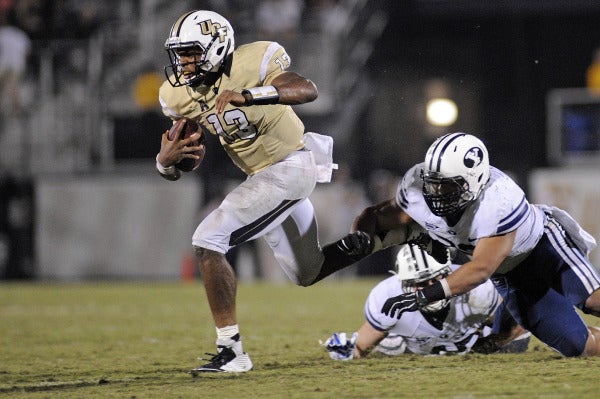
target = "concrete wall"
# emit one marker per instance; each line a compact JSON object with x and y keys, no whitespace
{"x":126,"y":227}
{"x":577,"y":191}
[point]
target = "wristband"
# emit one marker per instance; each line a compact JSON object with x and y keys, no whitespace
{"x":262,"y":95}
{"x":169,"y":173}
{"x":446,"y":288}
{"x":434,"y":292}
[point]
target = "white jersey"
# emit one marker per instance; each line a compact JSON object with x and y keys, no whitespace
{"x":501,"y":208}
{"x":458,"y":332}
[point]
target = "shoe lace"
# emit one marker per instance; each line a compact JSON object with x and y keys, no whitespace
{"x":221,"y":358}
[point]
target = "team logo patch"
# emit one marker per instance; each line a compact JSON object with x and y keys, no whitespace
{"x":473,"y":157}
{"x":214,"y":29}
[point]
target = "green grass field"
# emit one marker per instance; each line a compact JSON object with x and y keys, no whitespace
{"x":137,"y":340}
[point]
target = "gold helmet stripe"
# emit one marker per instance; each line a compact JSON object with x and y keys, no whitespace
{"x":176,"y":28}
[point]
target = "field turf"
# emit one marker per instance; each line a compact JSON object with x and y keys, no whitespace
{"x":137,"y":340}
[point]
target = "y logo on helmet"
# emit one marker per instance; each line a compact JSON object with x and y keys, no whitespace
{"x":214,"y":29}
{"x":473,"y":157}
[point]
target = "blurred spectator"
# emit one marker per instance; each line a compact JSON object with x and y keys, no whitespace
{"x":15,"y":47}
{"x":75,"y":20}
{"x":326,"y":16}
{"x":29,"y":15}
{"x":593,"y":73}
{"x":16,"y":228}
{"x":381,"y":185}
{"x":280,"y":20}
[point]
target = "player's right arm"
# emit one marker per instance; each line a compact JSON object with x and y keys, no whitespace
{"x":173,"y":151}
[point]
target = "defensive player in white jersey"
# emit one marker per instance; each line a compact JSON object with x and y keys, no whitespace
{"x":244,"y":95}
{"x":442,"y":327}
{"x":536,"y":255}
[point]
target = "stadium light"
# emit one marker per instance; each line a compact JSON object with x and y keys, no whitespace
{"x":441,"y":112}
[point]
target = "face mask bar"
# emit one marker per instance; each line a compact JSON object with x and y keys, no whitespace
{"x":413,"y":285}
{"x":445,"y":195}
{"x":174,"y":71}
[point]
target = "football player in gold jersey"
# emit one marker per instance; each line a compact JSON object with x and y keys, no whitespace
{"x":243,"y":96}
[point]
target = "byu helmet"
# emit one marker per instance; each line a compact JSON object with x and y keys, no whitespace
{"x":457,"y":167}
{"x":205,"y":33}
{"x":416,"y":268}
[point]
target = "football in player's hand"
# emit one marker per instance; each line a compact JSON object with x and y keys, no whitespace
{"x":183,"y":129}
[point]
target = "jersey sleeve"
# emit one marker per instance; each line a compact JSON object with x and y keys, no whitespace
{"x":505,"y":204}
{"x":387,"y":288}
{"x":407,"y":186}
{"x":275,"y":61}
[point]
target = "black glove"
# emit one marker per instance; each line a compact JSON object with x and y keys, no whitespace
{"x":358,"y":244}
{"x":409,"y":302}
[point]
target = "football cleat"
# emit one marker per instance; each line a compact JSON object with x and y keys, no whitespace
{"x":228,"y":359}
{"x":356,"y":244}
{"x":518,"y":345}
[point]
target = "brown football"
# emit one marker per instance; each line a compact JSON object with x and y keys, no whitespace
{"x":183,"y":129}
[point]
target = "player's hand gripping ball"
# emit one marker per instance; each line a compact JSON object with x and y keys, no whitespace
{"x":183,"y":129}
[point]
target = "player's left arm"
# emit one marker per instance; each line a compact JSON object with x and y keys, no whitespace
{"x":294,"y":89}
{"x":288,"y":88}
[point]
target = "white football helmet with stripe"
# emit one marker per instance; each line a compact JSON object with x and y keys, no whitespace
{"x":416,"y":269}
{"x":457,"y":167}
{"x":206,"y":33}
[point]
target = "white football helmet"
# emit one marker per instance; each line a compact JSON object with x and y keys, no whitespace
{"x":208,"y":34}
{"x":416,"y":268}
{"x":457,"y":167}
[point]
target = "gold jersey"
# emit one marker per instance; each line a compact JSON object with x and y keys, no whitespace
{"x":256,"y":136}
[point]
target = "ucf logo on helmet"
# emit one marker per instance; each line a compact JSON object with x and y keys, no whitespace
{"x":208,"y":27}
{"x":473,"y":157}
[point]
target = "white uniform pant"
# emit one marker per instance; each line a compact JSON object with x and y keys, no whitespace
{"x":272,"y":204}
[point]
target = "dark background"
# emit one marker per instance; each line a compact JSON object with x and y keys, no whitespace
{"x":505,"y":56}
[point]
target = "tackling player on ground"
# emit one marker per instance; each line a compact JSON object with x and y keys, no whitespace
{"x":448,"y":326}
{"x":536,"y":255}
{"x":244,"y":95}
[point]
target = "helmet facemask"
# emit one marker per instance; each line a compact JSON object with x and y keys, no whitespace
{"x":177,"y":68}
{"x":456,"y":170}
{"x":205,"y":73}
{"x":417,"y":269}
{"x":446,"y":195}
{"x":418,"y":284}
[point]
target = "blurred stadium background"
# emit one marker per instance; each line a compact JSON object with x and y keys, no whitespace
{"x":79,"y":198}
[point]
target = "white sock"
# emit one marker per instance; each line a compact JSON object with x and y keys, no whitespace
{"x":225,"y":335}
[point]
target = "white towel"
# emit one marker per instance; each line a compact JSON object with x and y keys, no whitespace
{"x":322,"y":148}
{"x":584,"y":241}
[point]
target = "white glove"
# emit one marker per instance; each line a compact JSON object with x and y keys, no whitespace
{"x":340,"y":347}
